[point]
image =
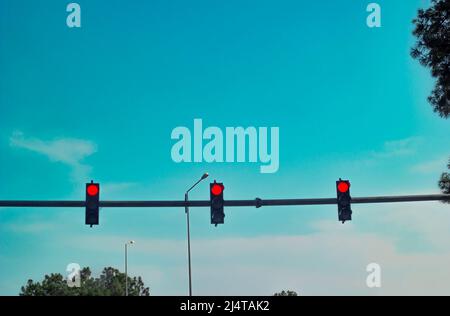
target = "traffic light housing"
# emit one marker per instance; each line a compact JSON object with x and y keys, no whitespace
{"x":344,"y":200}
{"x":217,"y":203}
{"x":92,"y":203}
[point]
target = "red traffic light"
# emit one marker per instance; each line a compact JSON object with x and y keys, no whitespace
{"x":217,"y":189}
{"x":343,"y":186}
{"x":92,"y":189}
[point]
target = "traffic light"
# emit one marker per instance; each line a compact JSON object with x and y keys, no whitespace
{"x":92,"y":203}
{"x":344,"y":200}
{"x":217,"y":203}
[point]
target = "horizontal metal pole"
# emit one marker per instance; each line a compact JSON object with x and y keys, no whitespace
{"x":231,"y":203}
{"x":18,"y":203}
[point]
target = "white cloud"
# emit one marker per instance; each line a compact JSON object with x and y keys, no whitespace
{"x":32,"y":228}
{"x":396,"y":148}
{"x":427,"y":220}
{"x":433,"y":166}
{"x":330,"y":261}
{"x":112,"y":189}
{"x":393,"y":149}
{"x":69,"y":151}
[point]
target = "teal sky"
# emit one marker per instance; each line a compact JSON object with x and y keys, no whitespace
{"x":99,"y":102}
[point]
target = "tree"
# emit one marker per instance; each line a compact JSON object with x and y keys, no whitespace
{"x":111,"y":282}
{"x":286,"y":293}
{"x":444,"y":183}
{"x":433,"y":51}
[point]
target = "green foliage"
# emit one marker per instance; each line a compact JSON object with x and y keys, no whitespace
{"x":286,"y":293}
{"x":432,"y":29}
{"x":111,"y":282}
{"x":444,"y":183}
{"x":433,"y":50}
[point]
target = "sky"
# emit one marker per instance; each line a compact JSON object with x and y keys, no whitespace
{"x":100,"y":102}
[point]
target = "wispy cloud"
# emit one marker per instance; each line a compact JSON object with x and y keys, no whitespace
{"x":390,"y":150}
{"x":432,"y":166}
{"x":426,"y":220}
{"x":32,"y":228}
{"x":330,"y":261}
{"x":111,"y":189}
{"x":397,"y":148}
{"x":69,"y":151}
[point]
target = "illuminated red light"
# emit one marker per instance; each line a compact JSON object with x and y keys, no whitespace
{"x":92,"y":190}
{"x":343,"y":187}
{"x":217,"y":189}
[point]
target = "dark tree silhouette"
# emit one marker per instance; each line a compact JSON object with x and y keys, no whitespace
{"x":286,"y":293}
{"x":433,"y":51}
{"x":110,"y":283}
{"x":432,"y":29}
{"x":444,"y":183}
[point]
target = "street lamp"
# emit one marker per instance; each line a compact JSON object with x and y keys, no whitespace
{"x":186,"y":199}
{"x":126,"y":265}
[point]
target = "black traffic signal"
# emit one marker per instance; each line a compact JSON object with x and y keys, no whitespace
{"x":217,"y":203}
{"x":92,"y":203}
{"x":344,"y":200}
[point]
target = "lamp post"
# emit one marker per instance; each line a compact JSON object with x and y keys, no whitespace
{"x":186,"y":199}
{"x":126,"y":265}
